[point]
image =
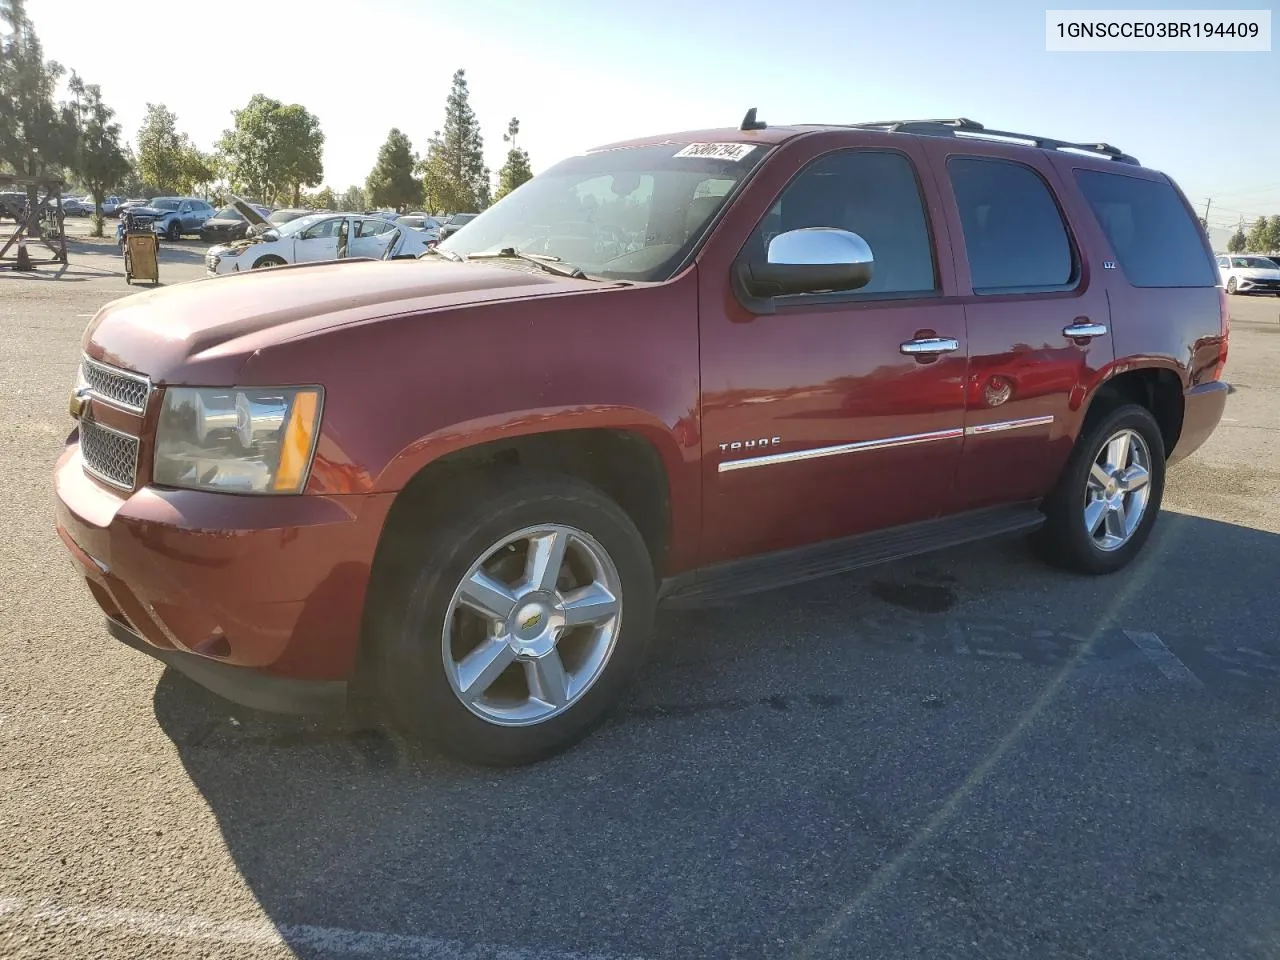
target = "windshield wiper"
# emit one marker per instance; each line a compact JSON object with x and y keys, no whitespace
{"x":546,"y":262}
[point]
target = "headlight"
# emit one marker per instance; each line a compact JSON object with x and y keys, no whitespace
{"x":249,"y":440}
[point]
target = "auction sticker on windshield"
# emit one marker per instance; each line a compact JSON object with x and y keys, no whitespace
{"x":718,"y":151}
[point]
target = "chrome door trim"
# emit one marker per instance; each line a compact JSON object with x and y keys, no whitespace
{"x":814,"y":453}
{"x":978,"y":429}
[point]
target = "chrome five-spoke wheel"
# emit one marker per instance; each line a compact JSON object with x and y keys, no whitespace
{"x":532,"y":625}
{"x":1117,"y":490}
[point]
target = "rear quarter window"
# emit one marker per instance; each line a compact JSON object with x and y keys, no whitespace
{"x":1156,"y":241}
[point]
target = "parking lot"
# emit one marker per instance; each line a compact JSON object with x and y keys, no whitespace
{"x":964,"y":755}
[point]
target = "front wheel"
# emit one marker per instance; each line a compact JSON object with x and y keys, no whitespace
{"x":174,"y":233}
{"x":1101,"y":512}
{"x":267,"y":261}
{"x":509,"y":628}
{"x":1231,"y":286}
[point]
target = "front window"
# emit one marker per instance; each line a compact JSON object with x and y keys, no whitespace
{"x":228,"y":213}
{"x":164,"y":203}
{"x":630,"y":214}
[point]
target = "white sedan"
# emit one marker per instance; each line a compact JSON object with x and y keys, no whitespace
{"x":313,"y":238}
{"x":1244,"y":273}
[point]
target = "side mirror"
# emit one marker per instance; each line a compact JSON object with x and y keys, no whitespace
{"x":810,"y":260}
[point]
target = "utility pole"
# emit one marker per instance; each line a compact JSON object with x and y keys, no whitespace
{"x":1207,"y":201}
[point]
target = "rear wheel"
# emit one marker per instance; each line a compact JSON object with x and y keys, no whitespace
{"x":507,"y":630}
{"x":1106,"y":502}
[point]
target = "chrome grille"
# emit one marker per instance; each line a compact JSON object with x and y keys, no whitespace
{"x":108,"y":454}
{"x":118,"y":387}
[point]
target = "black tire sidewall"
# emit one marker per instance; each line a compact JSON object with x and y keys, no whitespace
{"x":270,"y":260}
{"x":408,"y":640}
{"x":175,"y":233}
{"x":1070,"y":544}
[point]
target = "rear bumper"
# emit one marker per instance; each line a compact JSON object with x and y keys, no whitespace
{"x":1202,"y":411}
{"x":244,"y":685}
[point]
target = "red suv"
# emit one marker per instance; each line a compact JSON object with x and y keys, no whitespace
{"x":692,"y":364}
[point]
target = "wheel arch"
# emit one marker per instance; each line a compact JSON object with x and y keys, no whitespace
{"x":1156,"y":386}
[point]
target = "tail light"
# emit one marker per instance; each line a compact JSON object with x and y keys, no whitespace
{"x":1224,"y":309}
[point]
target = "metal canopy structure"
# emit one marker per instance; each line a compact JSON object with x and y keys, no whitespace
{"x":48,"y":207}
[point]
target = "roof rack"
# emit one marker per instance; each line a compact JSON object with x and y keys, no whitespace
{"x":962,"y":125}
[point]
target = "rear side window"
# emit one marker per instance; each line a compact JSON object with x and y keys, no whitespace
{"x":1153,"y":235}
{"x":1014,"y":234}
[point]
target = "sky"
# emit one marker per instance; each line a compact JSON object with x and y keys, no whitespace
{"x":579,"y":74}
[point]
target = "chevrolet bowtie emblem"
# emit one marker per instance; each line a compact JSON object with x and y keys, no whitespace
{"x":79,"y":400}
{"x":531,"y":622}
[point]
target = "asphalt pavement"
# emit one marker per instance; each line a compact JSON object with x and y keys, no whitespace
{"x":964,"y":755}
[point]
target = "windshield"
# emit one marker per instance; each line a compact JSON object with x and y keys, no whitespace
{"x":629,"y":214}
{"x":227,"y":213}
{"x":164,"y":203}
{"x":285,"y":216}
{"x":1253,"y":263}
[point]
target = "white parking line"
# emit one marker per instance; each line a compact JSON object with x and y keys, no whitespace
{"x":304,"y":938}
{"x":1165,"y":659}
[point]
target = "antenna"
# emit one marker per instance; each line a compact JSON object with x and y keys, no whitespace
{"x":749,"y":122}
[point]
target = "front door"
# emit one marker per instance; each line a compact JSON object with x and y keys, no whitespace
{"x":818,"y":421}
{"x":319,"y":241}
{"x":1037,"y":317}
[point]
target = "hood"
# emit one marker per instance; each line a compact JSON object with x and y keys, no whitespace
{"x":203,"y":332}
{"x":148,"y":211}
{"x":1259,"y":273}
{"x":247,"y":211}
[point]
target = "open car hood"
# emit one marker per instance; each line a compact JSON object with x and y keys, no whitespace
{"x":247,"y":211}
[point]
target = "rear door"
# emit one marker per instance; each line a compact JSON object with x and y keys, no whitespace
{"x":1037,"y":319}
{"x":371,"y":237}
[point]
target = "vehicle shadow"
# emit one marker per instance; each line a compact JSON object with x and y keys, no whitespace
{"x":777,"y":756}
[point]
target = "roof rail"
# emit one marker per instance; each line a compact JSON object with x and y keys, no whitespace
{"x":962,"y":125}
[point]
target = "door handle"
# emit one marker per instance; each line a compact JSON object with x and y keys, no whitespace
{"x":930,"y":346}
{"x":1083,"y":329}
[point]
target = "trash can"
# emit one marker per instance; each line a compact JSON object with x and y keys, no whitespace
{"x":141,"y":248}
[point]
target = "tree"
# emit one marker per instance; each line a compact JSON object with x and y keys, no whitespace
{"x":324,"y":199}
{"x":100,"y":162}
{"x":1258,"y":236}
{"x":454,"y":177}
{"x":1237,"y":243}
{"x":352,"y":199}
{"x":392,"y":183}
{"x":274,"y":149}
{"x":164,"y":154}
{"x":1273,"y":234}
{"x":37,"y":136}
{"x":517,"y":169}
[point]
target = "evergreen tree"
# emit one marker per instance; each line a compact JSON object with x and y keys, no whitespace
{"x":517,"y":169}
{"x":454,"y":177}
{"x":100,"y":161}
{"x":1257,"y":240}
{"x":163,"y":152}
{"x":1237,"y":243}
{"x":37,"y":136}
{"x":392,"y":183}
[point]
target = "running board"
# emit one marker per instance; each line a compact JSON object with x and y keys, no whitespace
{"x":781,"y":568}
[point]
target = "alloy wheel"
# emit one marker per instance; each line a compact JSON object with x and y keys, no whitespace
{"x":1117,"y":490}
{"x":532,"y":625}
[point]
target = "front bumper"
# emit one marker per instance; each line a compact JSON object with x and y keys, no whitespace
{"x":1201,"y":413}
{"x":1258,"y":286}
{"x":244,"y":591}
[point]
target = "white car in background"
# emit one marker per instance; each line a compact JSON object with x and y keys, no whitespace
{"x":313,"y":238}
{"x":1249,"y":273}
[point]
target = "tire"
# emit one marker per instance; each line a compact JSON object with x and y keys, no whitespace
{"x":174,"y":233}
{"x":1065,"y":538}
{"x":270,"y":260}
{"x":417,"y":627}
{"x":1231,"y":286}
